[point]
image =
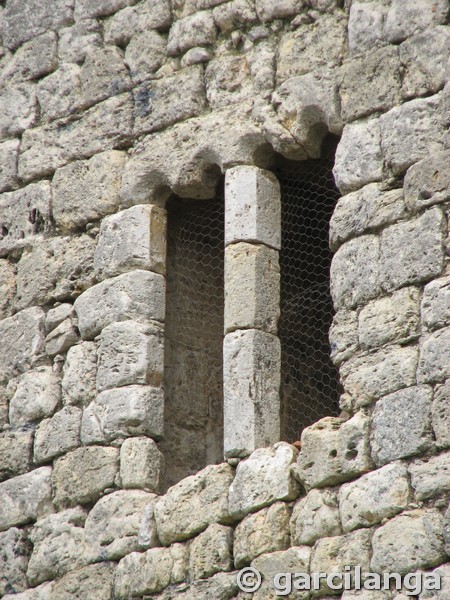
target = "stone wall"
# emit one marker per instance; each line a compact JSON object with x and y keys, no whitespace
{"x":107,"y":109}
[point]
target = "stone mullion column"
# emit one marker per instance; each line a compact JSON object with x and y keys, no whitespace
{"x":251,"y":349}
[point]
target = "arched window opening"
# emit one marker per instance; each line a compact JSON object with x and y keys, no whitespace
{"x":193,"y":339}
{"x":309,"y":381}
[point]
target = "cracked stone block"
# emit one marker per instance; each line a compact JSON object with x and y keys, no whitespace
{"x":315,"y":516}
{"x":211,"y":552}
{"x":141,"y":464}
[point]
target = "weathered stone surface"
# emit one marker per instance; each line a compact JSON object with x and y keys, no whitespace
{"x":409,"y":542}
{"x":103,"y":127}
{"x":81,"y":476}
{"x":79,"y":375}
{"x":42,"y":592}
{"x":25,"y":19}
{"x":61,"y":338}
{"x":434,"y":361}
{"x":33,"y":60}
{"x":112,"y":526}
{"x":124,"y":24}
{"x":332,"y":554}
{"x":367,"y":378}
{"x":14,"y":553}
{"x":442,"y":594}
{"x":267,"y":10}
{"x":148,"y":537}
{"x":34,"y":396}
{"x":25,"y":498}
{"x":138,"y":574}
{"x":252,"y":207}
{"x":22,"y":341}
{"x":368,"y":208}
{"x":311,"y":46}
{"x":132,"y":239}
{"x":9,"y":152}
{"x":343,"y":335}
{"x":252,"y":287}
{"x":141,"y":464}
{"x":435,"y":307}
{"x":410,"y":411}
{"x":102,"y":8}
{"x":355,"y":272}
{"x":24,"y":213}
{"x":145,"y":54}
{"x":370,"y":83}
{"x":428,"y":181}
{"x":76,"y":42}
{"x":440,"y":414}
{"x":103,"y":75}
{"x":57,"y":435}
{"x":365,"y":25}
{"x":403,"y":21}
{"x":374,"y":497}
{"x":195,"y":30}
{"x":130,"y":353}
{"x":211,"y":552}
{"x":138,"y":295}
{"x":412,"y":251}
{"x":194,"y":503}
{"x":391,"y":318}
{"x":262,"y":479}
{"x":315,"y":516}
{"x":59,"y":545}
{"x":261,"y":532}
{"x":93,"y":582}
{"x":121,"y":412}
{"x":424,"y":58}
{"x":163,"y":102}
{"x":57,"y":315}
{"x":59,"y":93}
{"x":15,"y":453}
{"x":251,"y":361}
{"x":333,"y":451}
{"x":87,"y":190}
{"x":18,"y":109}
{"x":228,"y":81}
{"x":234,"y":14}
{"x":431,"y":477}
{"x":412,"y":131}
{"x":293,"y":560}
{"x":358,"y":159}
{"x":222,"y":586}
{"x":7,"y":288}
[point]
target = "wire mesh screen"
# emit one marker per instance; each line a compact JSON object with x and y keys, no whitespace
{"x":309,"y":381}
{"x":194,"y":333}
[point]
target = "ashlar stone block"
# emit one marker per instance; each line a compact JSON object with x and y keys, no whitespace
{"x":252,"y":207}
{"x":251,"y":391}
{"x":435,"y":308}
{"x":122,"y":412}
{"x":141,"y":464}
{"x":138,"y":295}
{"x":374,"y":497}
{"x":252,"y":287}
{"x":334,"y":451}
{"x":211,"y":552}
{"x":132,"y":239}
{"x":401,"y":424}
{"x":315,"y":516}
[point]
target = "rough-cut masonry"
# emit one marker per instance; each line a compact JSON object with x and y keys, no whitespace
{"x":109,"y":109}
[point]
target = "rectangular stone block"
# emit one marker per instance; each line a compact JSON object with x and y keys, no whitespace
{"x":401,"y":424}
{"x":252,"y":288}
{"x":390,"y":318}
{"x":15,"y":453}
{"x":24,"y":214}
{"x":355,"y":272}
{"x":434,"y":361}
{"x":26,"y":498}
{"x":412,"y":251}
{"x":132,"y":239}
{"x":9,"y":153}
{"x":435,"y":308}
{"x":163,"y":102}
{"x":251,"y":382}
{"x":367,"y":208}
{"x":141,"y":462}
{"x":194,"y":503}
{"x":440,"y":415}
{"x":137,"y":295}
{"x":428,"y":181}
{"x":123,"y":412}
{"x":57,"y":435}
{"x":430,"y":477}
{"x":22,"y":341}
{"x":252,"y":207}
{"x":103,"y":127}
{"x":374,"y":497}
